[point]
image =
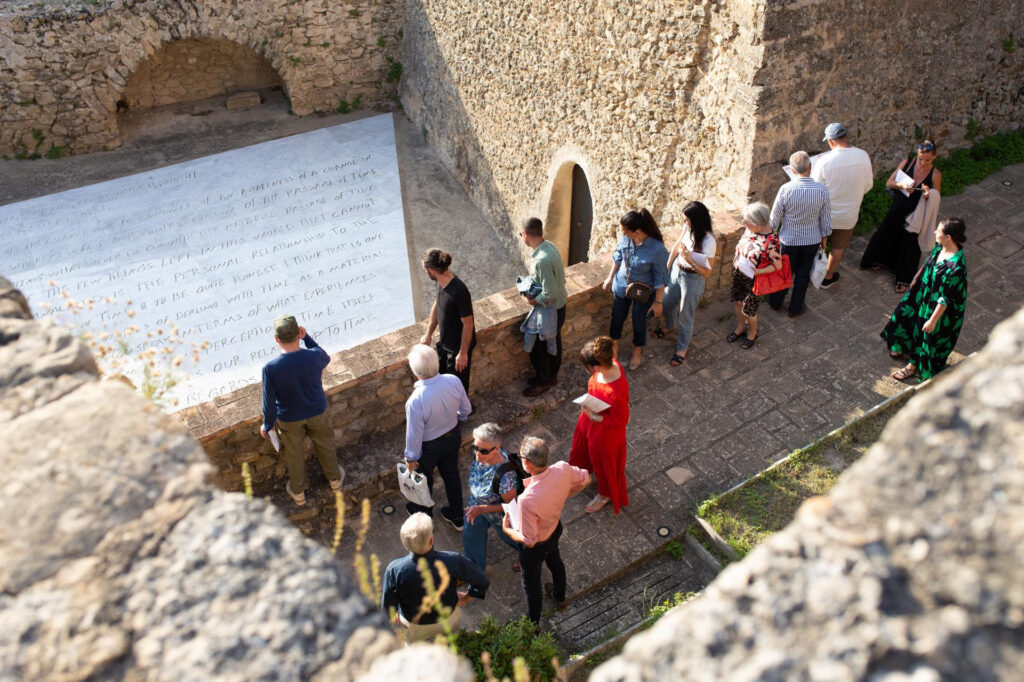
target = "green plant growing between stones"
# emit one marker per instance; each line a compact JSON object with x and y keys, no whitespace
{"x":55,"y":152}
{"x":382,"y":42}
{"x":353,"y":13}
{"x":308,"y":43}
{"x":325,"y":44}
{"x":344,"y":107}
{"x":973,"y":128}
{"x":294,"y":60}
{"x":394,"y":72}
{"x":510,"y":651}
{"x":674,"y":549}
{"x":1008,"y":45}
{"x":653,"y":612}
{"x":918,"y":133}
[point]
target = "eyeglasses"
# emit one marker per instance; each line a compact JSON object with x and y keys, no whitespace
{"x":484,"y":451}
{"x":926,"y":146}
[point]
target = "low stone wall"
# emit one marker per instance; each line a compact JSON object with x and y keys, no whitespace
{"x":64,"y":68}
{"x":131,"y":565}
{"x":367,"y":385}
{"x":911,"y":569}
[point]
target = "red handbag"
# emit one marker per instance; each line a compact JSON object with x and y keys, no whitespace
{"x":771,"y":282}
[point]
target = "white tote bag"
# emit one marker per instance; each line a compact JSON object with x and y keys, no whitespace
{"x":414,"y":486}
{"x":819,"y":269}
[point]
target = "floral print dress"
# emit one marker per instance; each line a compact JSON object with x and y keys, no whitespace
{"x":943,"y":283}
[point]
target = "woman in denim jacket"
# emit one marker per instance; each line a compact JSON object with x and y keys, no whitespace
{"x":641,"y":257}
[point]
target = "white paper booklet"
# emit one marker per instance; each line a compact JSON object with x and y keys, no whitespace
{"x":698,"y":258}
{"x":746,"y":267}
{"x":274,"y":440}
{"x":514,"y":514}
{"x":789,"y":169}
{"x":591,"y":403}
{"x":902,"y":179}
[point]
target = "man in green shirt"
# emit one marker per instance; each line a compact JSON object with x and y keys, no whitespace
{"x":547,"y":270}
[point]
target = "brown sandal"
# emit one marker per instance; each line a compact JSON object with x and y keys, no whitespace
{"x":904,"y":373}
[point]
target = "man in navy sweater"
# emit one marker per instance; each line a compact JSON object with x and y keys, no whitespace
{"x":294,"y":400}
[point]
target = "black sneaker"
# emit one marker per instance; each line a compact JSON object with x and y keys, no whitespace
{"x":446,"y":513}
{"x":829,"y":281}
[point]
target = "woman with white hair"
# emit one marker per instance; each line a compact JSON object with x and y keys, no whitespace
{"x":493,"y":478}
{"x":757,"y":252}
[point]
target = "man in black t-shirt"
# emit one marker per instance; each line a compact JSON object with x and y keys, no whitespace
{"x":453,"y":313}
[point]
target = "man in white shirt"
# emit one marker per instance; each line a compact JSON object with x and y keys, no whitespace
{"x":846,"y":171}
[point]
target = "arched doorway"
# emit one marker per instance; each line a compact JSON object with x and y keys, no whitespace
{"x":570,"y":213}
{"x":581,"y":218}
{"x":194,"y":69}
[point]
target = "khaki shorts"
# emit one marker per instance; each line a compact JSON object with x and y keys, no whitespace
{"x":840,"y":239}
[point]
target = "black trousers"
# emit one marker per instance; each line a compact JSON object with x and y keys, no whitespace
{"x":801,"y":261}
{"x":443,"y":454}
{"x":531,"y":559}
{"x":446,"y":364}
{"x":544,"y":363}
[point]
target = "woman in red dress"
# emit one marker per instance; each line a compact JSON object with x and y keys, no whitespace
{"x":599,"y":442}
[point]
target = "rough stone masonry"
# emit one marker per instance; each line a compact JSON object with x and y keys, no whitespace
{"x":912,"y":569}
{"x":121,"y":560}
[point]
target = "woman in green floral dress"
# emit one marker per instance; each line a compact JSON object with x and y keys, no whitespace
{"x":927,"y":320}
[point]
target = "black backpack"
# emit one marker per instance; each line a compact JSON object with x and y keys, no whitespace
{"x":514,"y":463}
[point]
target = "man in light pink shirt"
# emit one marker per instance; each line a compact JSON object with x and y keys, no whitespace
{"x":540,"y":506}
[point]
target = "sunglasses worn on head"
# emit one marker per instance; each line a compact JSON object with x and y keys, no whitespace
{"x":926,"y":146}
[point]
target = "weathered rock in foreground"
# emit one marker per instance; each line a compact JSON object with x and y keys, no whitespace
{"x":912,"y":569}
{"x":122,"y":561}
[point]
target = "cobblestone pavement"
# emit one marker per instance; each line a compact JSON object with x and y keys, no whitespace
{"x":727,"y":413}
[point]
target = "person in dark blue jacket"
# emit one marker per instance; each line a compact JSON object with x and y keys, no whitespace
{"x":402,"y":588}
{"x":295,"y":402}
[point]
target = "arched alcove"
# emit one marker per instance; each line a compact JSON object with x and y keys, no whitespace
{"x":570,"y":213}
{"x":197,"y":68}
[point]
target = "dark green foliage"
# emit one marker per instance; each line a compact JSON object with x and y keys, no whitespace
{"x":505,"y":643}
{"x":55,"y":152}
{"x":1008,"y":46}
{"x":382,"y":41}
{"x":961,"y":168}
{"x":344,"y":107}
{"x":674,"y":549}
{"x":394,"y":72}
{"x":973,"y":128}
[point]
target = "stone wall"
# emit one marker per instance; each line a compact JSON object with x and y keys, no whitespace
{"x":884,"y":71}
{"x":652,"y":99}
{"x":64,"y":68}
{"x":132,"y":565}
{"x":911,"y":569}
{"x":196,"y":69}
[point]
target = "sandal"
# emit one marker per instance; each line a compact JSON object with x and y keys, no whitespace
{"x":658,"y":334}
{"x":677,"y":360}
{"x":876,"y":267}
{"x":732,"y":336}
{"x":596,"y":504}
{"x":748,"y":343}
{"x":633,"y":365}
{"x":904,"y":373}
{"x":897,"y":356}
{"x":902,"y":288}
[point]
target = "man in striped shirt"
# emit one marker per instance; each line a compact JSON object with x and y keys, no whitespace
{"x":803,"y":217}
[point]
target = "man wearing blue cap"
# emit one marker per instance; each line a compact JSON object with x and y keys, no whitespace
{"x":295,"y":402}
{"x":846,"y":171}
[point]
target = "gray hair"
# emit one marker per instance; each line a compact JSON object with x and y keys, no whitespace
{"x":800,"y":162}
{"x":488,"y":432}
{"x":535,"y":451}
{"x":417,"y":533}
{"x":757,"y":213}
{"x":423,"y":361}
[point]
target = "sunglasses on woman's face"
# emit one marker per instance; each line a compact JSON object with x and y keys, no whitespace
{"x":483,"y":451}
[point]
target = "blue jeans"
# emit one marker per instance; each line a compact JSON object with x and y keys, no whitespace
{"x":680,"y":304}
{"x":474,"y":539}
{"x":620,"y":310}
{"x":801,"y":261}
